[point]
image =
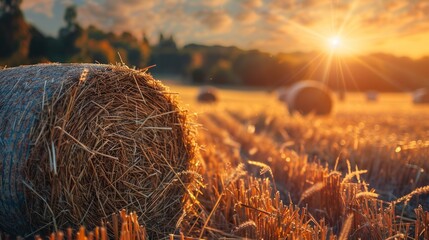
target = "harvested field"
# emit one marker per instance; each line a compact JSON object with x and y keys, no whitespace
{"x":359,"y":173}
{"x":270,"y":175}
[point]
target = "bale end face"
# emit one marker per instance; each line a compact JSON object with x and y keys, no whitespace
{"x":99,"y":138}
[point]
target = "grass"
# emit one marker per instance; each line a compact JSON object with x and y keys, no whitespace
{"x":359,"y":173}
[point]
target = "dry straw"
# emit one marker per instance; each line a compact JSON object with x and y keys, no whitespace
{"x":415,"y":192}
{"x":346,"y":228}
{"x":83,"y":141}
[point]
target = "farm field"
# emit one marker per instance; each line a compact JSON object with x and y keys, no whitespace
{"x":110,"y":127}
{"x":271,"y":175}
{"x":359,"y":173}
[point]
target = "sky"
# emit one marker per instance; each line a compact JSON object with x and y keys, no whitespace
{"x":398,"y":27}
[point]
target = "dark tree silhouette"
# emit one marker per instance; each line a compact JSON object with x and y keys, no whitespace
{"x":9,"y":6}
{"x":15,"y":32}
{"x":166,"y":44}
{"x":145,"y":39}
{"x":70,"y":33}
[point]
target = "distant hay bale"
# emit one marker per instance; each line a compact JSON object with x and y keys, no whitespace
{"x":309,"y":97}
{"x":371,"y":96}
{"x":342,"y":95}
{"x":421,"y":96}
{"x":282,"y":94}
{"x":208,"y":95}
{"x":82,"y":141}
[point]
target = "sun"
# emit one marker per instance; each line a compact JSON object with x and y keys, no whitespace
{"x":336,"y":45}
{"x":335,"y":42}
{"x":340,"y":45}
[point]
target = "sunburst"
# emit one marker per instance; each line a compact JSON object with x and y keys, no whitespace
{"x":341,"y":42}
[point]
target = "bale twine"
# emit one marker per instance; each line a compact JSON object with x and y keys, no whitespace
{"x":208,"y":95}
{"x":80,"y":142}
{"x":309,"y":97}
{"x":421,"y":96}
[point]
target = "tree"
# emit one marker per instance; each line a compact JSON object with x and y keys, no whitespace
{"x":70,"y":33}
{"x":15,"y":34}
{"x":70,"y":16}
{"x":38,"y":44}
{"x":9,"y":6}
{"x":145,"y":39}
{"x":166,"y":44}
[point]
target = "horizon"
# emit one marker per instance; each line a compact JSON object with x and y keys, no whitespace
{"x":398,"y":28}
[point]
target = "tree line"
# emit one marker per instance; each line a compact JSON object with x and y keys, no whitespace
{"x":22,"y":43}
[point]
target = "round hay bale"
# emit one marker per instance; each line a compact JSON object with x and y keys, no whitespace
{"x":208,"y":95}
{"x":371,"y":96}
{"x":421,"y":96}
{"x":282,"y":94}
{"x":309,"y":97}
{"x":80,"y":142}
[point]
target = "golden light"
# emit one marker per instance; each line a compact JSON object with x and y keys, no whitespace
{"x":335,"y":42}
{"x":337,"y":45}
{"x":340,"y":41}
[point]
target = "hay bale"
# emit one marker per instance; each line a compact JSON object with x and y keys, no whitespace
{"x":208,"y":95}
{"x":371,"y":96}
{"x":282,"y":94}
{"x":342,"y":95}
{"x":82,"y":141}
{"x":309,"y":97}
{"x":421,"y":96}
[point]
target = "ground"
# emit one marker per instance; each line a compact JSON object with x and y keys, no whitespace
{"x":354,"y":164}
{"x":360,"y":173}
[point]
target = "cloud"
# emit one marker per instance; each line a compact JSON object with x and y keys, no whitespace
{"x":310,"y":3}
{"x":247,"y":17}
{"x":178,"y":17}
{"x":401,"y":17}
{"x":251,"y":3}
{"x":44,"y":7}
{"x":252,"y":23}
{"x":214,"y":3}
{"x":118,"y":16}
{"x":247,"y":11}
{"x":215,"y":20}
{"x":282,"y":4}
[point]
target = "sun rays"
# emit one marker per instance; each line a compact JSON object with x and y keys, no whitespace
{"x":343,"y":45}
